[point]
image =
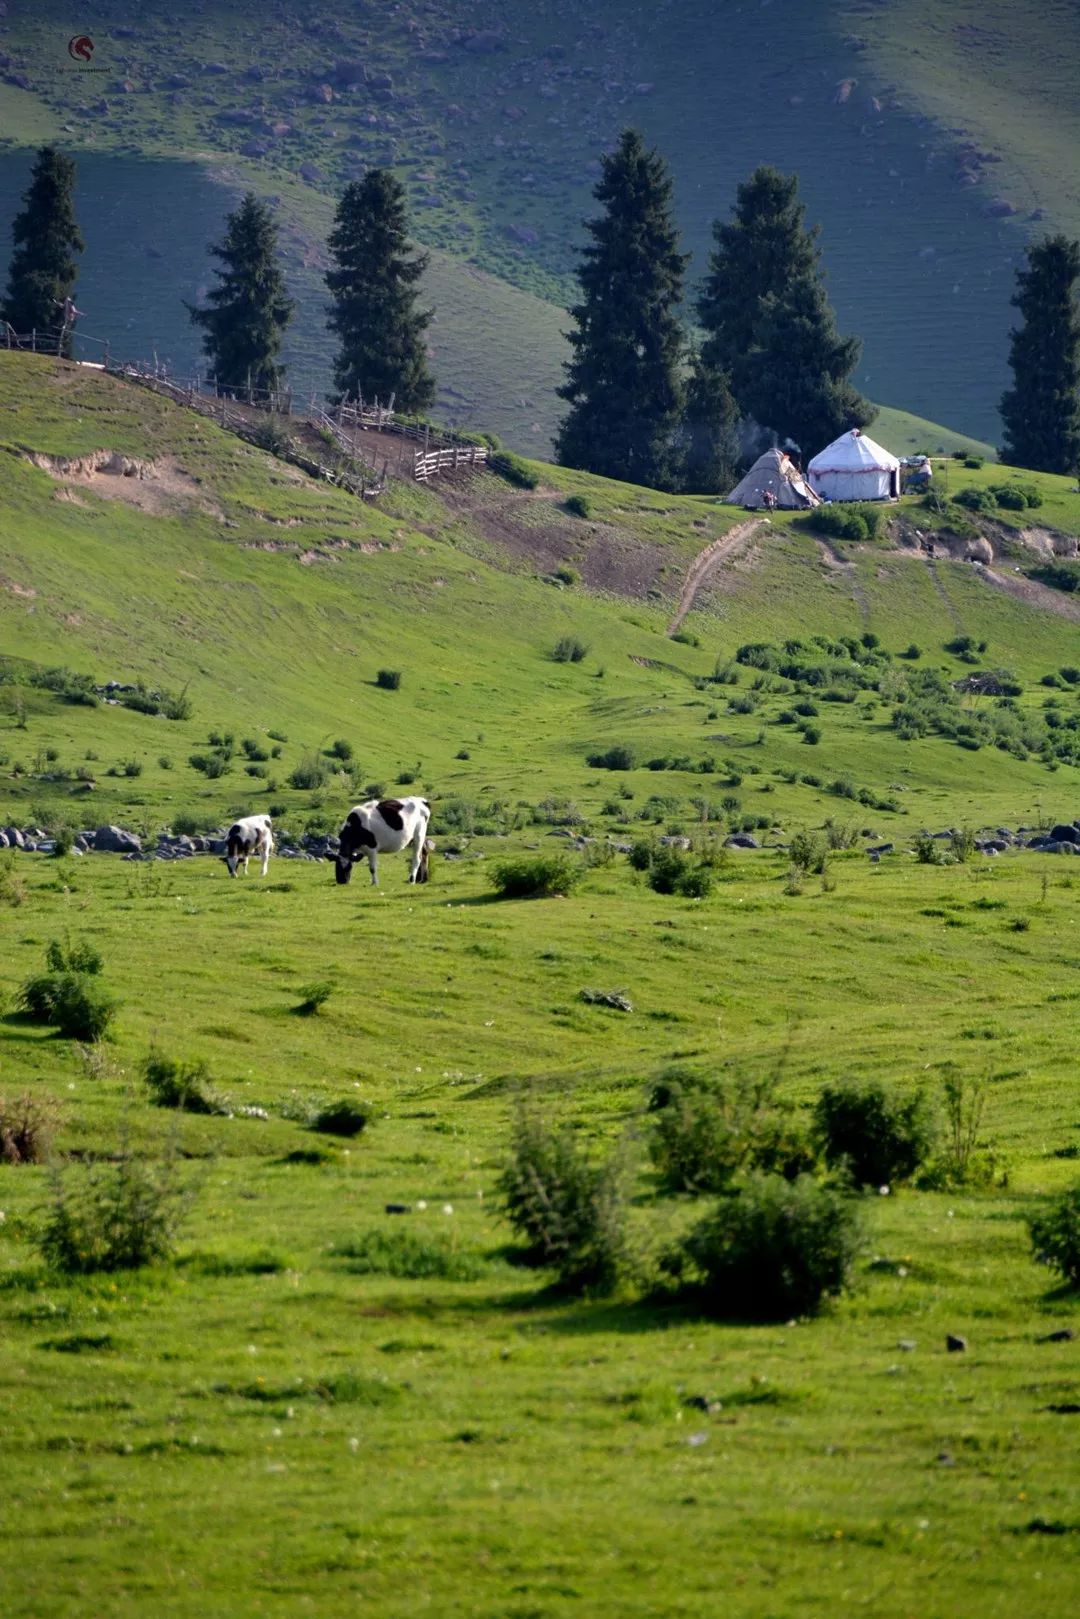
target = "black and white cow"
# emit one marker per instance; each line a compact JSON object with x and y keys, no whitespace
{"x":383,"y":826}
{"x":254,"y":835}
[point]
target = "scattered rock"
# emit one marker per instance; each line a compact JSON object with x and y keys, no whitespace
{"x":397,"y":1208}
{"x":955,"y":1344}
{"x":607,"y":997}
{"x":114,"y":840}
{"x":1063,"y":1335}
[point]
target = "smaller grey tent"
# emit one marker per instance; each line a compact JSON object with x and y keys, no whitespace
{"x":775,"y":474}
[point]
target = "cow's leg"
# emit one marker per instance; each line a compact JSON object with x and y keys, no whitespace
{"x":417,"y":853}
{"x":266,"y":851}
{"x":372,"y":867}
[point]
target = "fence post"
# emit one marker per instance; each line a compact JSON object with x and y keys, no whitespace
{"x":33,"y":341}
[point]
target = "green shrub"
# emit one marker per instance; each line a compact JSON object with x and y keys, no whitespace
{"x":514,"y":469}
{"x":345,"y":1118}
{"x":175,"y":1083}
{"x":536,"y":876}
{"x":578,"y":505}
{"x":1055,"y":1235}
{"x":341,"y":749}
{"x":776,"y":1249}
{"x":75,"y":1002}
{"x":974,"y":499}
{"x":72,"y":958}
{"x":213,"y":765}
{"x":410,"y":1256}
{"x":707,"y":1130}
{"x":112,"y":1217}
{"x":314,"y":996}
{"x":388,"y":679}
{"x":313,"y":771}
{"x":568,"y":1210}
{"x":620,"y":757}
{"x":566,"y":575}
{"x":881,"y":1135}
{"x":568,"y":649}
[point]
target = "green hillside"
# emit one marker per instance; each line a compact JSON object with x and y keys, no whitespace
{"x":342,"y":1389}
{"x":888,"y":114}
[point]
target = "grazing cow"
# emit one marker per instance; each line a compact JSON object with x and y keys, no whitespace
{"x":383,"y":826}
{"x":254,"y":835}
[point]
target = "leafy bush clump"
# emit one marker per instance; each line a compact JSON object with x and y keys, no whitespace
{"x":1058,"y":575}
{"x":514,"y":469}
{"x":847,"y":522}
{"x":776,"y":1249}
{"x":388,"y":679}
{"x":578,"y":505}
{"x":672,"y":871}
{"x":26,"y":1129}
{"x":568,"y":649}
{"x":536,"y":876}
{"x":974,"y":499}
{"x":1016,"y":497}
{"x":346,"y":1118}
{"x":313,"y":771}
{"x":1055,"y":1235}
{"x":881,"y":1134}
{"x":314,"y":996}
{"x":74,"y":1002}
{"x":620,"y":757}
{"x":708,"y":1129}
{"x":410,"y":1256}
{"x":113,"y":1217}
{"x":175,"y":1083}
{"x":568,"y":1210}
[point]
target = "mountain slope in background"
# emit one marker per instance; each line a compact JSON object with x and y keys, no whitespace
{"x":927,"y":148}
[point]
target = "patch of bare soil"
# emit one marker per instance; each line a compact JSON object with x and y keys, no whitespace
{"x":162,"y":488}
{"x":1019,"y":586}
{"x":529,"y":527}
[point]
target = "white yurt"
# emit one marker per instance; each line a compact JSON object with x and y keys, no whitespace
{"x":853,"y":467}
{"x":775,"y":474}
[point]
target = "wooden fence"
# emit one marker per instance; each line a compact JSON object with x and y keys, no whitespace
{"x":342,"y":423}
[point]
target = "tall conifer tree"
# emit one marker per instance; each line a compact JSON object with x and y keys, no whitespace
{"x":768,"y":322}
{"x":374,"y":284}
{"x":623,"y":382}
{"x":46,"y":237}
{"x":1041,"y":410}
{"x":710,"y":451}
{"x":798,"y":384}
{"x":248,"y":311}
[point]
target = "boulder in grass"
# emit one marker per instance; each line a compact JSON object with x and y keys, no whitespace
{"x":114,"y":840}
{"x":1065,"y":832}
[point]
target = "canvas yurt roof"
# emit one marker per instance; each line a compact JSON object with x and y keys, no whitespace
{"x":776,"y":473}
{"x":855,"y":467}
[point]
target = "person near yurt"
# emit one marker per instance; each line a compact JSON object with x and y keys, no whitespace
{"x":774,"y":483}
{"x":855,"y":467}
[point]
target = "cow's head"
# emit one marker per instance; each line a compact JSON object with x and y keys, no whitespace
{"x":343,"y":867}
{"x":353,"y":840}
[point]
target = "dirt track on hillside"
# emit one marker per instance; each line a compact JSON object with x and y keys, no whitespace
{"x":707,"y":560}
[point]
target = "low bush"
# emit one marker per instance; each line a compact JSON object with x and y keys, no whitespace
{"x":776,"y":1249}
{"x":1055,"y":1235}
{"x":514,"y":469}
{"x":707,"y":1130}
{"x":410,"y":1256}
{"x":568,"y":649}
{"x":880,"y":1134}
{"x":345,"y":1118}
{"x":27,"y":1124}
{"x":566,"y":575}
{"x":568,"y":1210}
{"x":312,"y":772}
{"x":620,"y":757}
{"x":312,"y":997}
{"x":388,"y":679}
{"x":974,"y":499}
{"x":673,"y":871}
{"x":341,"y":749}
{"x":74,"y":1002}
{"x":536,"y":876}
{"x":113,"y":1217}
{"x":578,"y":505}
{"x":176,"y":1083}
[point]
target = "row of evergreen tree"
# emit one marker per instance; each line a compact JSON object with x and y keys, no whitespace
{"x":645,"y":407}
{"x":644,"y":404}
{"x":373,"y":284}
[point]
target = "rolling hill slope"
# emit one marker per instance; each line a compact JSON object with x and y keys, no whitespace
{"x":496,"y":127}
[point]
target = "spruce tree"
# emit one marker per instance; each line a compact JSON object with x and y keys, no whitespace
{"x":710,"y":443}
{"x":798,"y":383}
{"x":248,"y":311}
{"x":1041,"y":410}
{"x":374,"y":288}
{"x":757,"y":254}
{"x":623,"y":383}
{"x":46,"y":237}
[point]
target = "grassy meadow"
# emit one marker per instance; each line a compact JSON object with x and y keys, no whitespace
{"x":317,"y":1405}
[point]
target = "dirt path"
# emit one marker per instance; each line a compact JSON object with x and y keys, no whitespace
{"x":1033,"y":593}
{"x":706,"y":560}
